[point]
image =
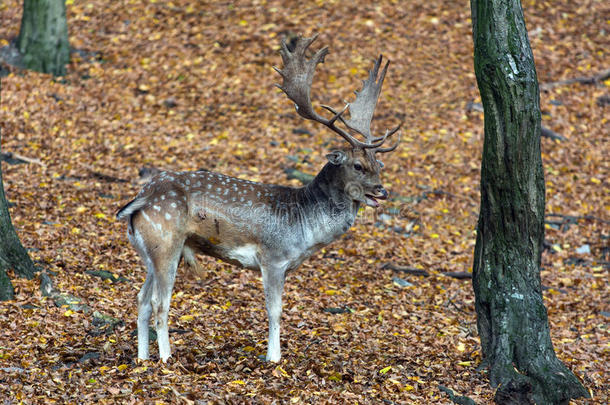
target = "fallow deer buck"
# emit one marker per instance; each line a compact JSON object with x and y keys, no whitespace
{"x":262,"y":227}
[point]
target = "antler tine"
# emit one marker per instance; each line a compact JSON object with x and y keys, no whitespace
{"x":388,"y":133}
{"x":374,"y":143}
{"x":297,"y":75}
{"x":362,"y":109}
{"x":390,"y":148}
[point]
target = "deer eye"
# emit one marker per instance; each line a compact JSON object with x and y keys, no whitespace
{"x":358,"y":167}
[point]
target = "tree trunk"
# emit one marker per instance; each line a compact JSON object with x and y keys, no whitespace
{"x":12,"y":254}
{"x":511,"y":316}
{"x":43,"y":38}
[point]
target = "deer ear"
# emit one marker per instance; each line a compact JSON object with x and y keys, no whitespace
{"x":337,"y":157}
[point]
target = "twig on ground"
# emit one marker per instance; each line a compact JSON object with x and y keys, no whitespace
{"x":25,"y":159}
{"x":544,"y":131}
{"x":573,"y":219}
{"x":409,"y":270}
{"x":461,"y":275}
{"x":600,"y":77}
{"x":457,"y":399}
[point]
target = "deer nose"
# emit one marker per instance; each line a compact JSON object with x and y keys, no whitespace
{"x":381,"y":192}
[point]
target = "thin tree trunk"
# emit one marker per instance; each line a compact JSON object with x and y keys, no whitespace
{"x":43,"y":37}
{"x":12,"y":253}
{"x":511,"y":316}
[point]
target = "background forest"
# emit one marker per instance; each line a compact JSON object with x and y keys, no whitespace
{"x":185,"y":85}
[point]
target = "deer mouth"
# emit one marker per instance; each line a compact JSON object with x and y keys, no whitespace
{"x":371,"y":200}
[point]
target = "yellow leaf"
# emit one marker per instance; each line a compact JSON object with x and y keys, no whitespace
{"x":461,"y":347}
{"x":385,"y":370}
{"x":335,"y":377}
{"x":81,"y":209}
{"x":338,"y":328}
{"x":75,"y":231}
{"x":68,"y":312}
{"x":331,"y":292}
{"x":464,"y":363}
{"x":240,"y":382}
{"x":434,"y":235}
{"x":408,"y":387}
{"x":594,"y":180}
{"x":279,"y":371}
{"x":122,"y":367}
{"x":249,"y":349}
{"x":186,"y":318}
{"x":100,"y":215}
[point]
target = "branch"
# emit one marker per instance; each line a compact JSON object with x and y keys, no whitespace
{"x":460,"y":275}
{"x":409,"y":270}
{"x":600,"y":77}
{"x":12,"y":156}
{"x":544,"y":131}
{"x":457,"y":399}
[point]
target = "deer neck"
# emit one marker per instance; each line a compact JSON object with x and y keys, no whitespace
{"x":325,"y":197}
{"x":329,"y":186}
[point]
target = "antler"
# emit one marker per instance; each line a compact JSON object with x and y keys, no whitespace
{"x":298,"y":75}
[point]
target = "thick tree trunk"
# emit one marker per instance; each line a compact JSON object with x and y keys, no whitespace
{"x":12,"y":254}
{"x":43,"y":37}
{"x":511,"y":316}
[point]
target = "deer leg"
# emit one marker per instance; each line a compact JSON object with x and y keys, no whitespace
{"x":144,"y":313}
{"x":165,"y":275}
{"x":145,"y":294}
{"x":273,"y":282}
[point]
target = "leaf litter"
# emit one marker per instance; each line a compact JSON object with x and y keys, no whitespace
{"x":183,"y":86}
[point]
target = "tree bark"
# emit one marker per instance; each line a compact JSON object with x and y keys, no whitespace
{"x":43,"y":37}
{"x":12,"y":253}
{"x":511,"y":316}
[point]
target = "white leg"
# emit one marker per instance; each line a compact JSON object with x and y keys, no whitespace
{"x":273,"y":282}
{"x":164,"y":277}
{"x":144,"y":312}
{"x":144,"y":296}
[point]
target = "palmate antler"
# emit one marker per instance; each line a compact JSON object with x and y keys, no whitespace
{"x":298,"y":75}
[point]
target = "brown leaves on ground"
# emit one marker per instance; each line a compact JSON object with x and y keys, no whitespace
{"x":182,"y":85}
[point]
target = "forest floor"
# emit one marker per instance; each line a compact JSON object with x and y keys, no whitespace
{"x":183,"y":85}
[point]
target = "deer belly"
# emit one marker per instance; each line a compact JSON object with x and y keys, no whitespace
{"x":245,"y":255}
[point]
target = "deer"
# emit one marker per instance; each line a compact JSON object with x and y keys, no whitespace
{"x":263,"y":227}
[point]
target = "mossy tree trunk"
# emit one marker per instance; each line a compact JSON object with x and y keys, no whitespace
{"x":43,"y":37}
{"x":12,"y":254}
{"x":511,"y":316}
